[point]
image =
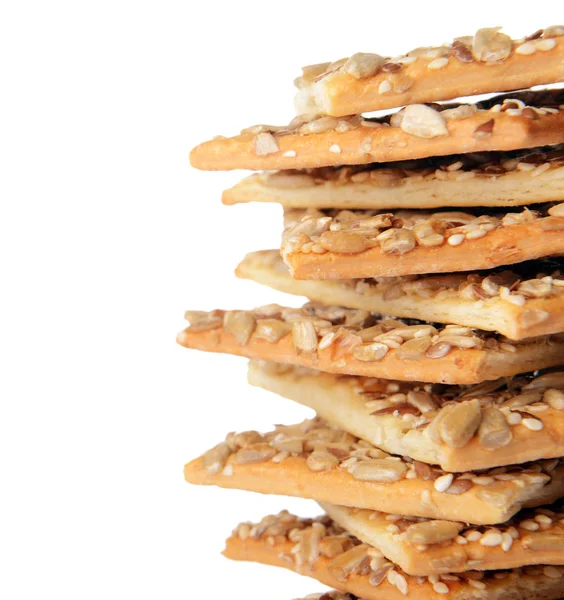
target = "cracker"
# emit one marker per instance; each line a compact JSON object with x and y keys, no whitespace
{"x":432,"y":547}
{"x":324,"y":463}
{"x":478,"y":300}
{"x":321,"y":549}
{"x":489,"y":61}
{"x":503,"y":123}
{"x":356,"y":342}
{"x":474,"y":179}
{"x":503,"y":422}
{"x":355,"y":244}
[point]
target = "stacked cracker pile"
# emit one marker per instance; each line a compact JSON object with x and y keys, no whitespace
{"x":427,"y":241}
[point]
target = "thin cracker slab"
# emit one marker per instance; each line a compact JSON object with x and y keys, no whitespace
{"x":430,"y":547}
{"x":322,"y":550}
{"x":474,"y":300}
{"x":484,"y":179}
{"x":503,"y":123}
{"x":355,"y":342}
{"x":359,"y":244}
{"x":367,"y":82}
{"x":498,"y":423}
{"x":324,"y":463}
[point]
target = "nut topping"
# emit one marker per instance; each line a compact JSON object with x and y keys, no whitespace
{"x":362,"y":65}
{"x":423,"y":121}
{"x":491,"y":46}
{"x":265,"y":143}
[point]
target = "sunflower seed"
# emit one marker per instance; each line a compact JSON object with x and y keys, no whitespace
{"x":322,"y":461}
{"x":383,"y":470}
{"x":494,"y":431}
{"x":240,"y":324}
{"x":370,"y":352}
{"x":432,"y":532}
{"x":543,"y":541}
{"x":342,"y":242}
{"x":271,"y":330}
{"x":304,"y":336}
{"x":215,"y":459}
{"x":265,"y":143}
{"x":460,"y":423}
{"x":256,"y":453}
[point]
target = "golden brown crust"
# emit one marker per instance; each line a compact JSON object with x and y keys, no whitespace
{"x":386,"y":414}
{"x":356,"y":141}
{"x":317,"y":337}
{"x":357,"y":575}
{"x":504,"y":245}
{"x":295,"y":461}
{"x":472,"y":300}
{"x":534,"y":537}
{"x":456,"y":181}
{"x":340,"y":93}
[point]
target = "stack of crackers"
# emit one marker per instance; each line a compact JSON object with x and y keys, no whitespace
{"x":428,"y":241}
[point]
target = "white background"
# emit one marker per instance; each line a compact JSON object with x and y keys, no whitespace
{"x":107,"y":235}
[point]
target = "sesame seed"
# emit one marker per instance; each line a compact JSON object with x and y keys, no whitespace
{"x":456,"y":239}
{"x":443,"y":482}
{"x":335,"y":148}
{"x":491,"y":538}
{"x":529,"y":525}
{"x":384,"y":87}
{"x":289,"y":153}
{"x":441,"y":588}
{"x":514,"y":418}
{"x":526,"y":48}
{"x":507,"y":542}
{"x":545,"y":45}
{"x":532,"y":424}
{"x":473,"y":536}
{"x":543,"y":519}
{"x":516,"y":299}
{"x":474,"y":234}
{"x":438,"y":63}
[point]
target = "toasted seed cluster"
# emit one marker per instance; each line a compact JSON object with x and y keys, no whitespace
{"x":461,"y":167}
{"x":321,"y":538}
{"x":536,"y":529}
{"x":316,"y":231}
{"x":488,"y":45}
{"x":353,"y":333}
{"x":455,"y":415}
{"x":325,"y":448}
{"x":420,"y":120}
